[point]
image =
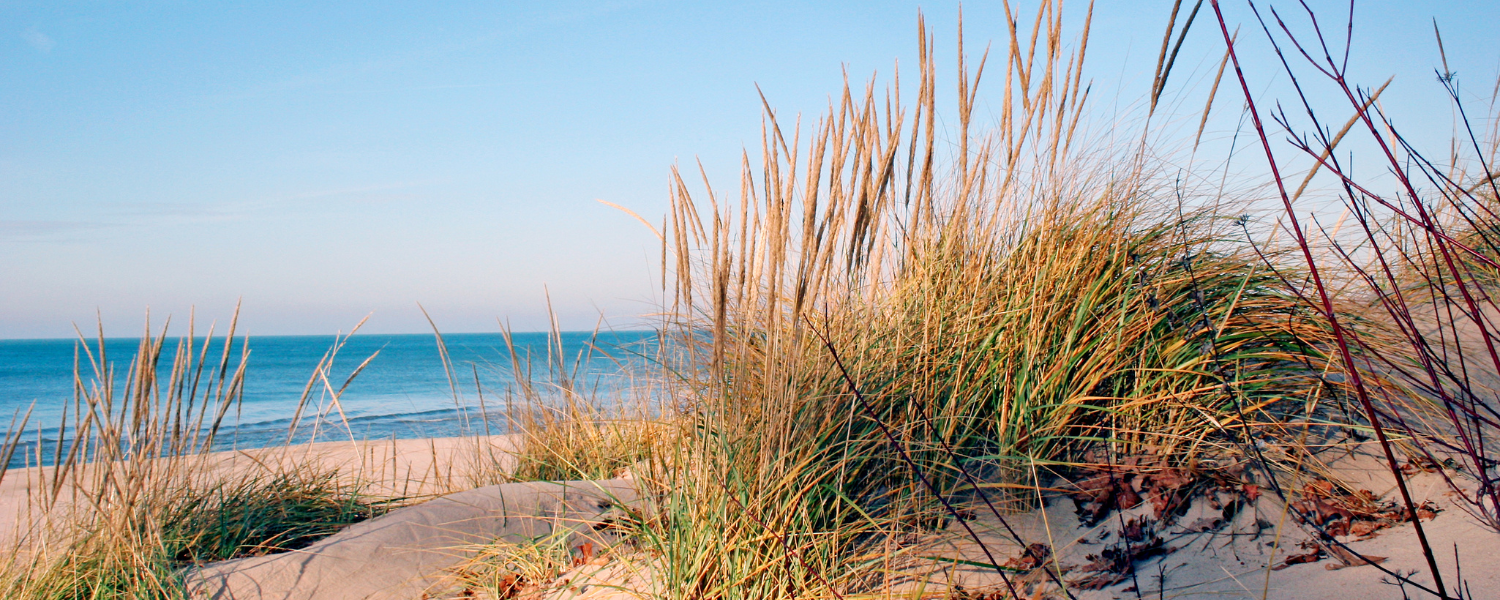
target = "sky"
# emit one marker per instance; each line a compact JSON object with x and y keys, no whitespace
{"x":320,"y":162}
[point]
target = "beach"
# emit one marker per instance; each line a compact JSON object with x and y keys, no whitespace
{"x":1033,"y":345}
{"x":447,"y":519}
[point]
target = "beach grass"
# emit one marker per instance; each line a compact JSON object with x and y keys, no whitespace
{"x":261,"y":513}
{"x":142,"y":555}
{"x":883,"y":333}
{"x":566,"y":431}
{"x":136,"y":493}
{"x":875,"y":327}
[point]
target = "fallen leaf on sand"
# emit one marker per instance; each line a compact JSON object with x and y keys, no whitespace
{"x":1172,"y":479}
{"x":510,"y":586}
{"x":1321,"y":487}
{"x":1322,"y":511}
{"x":585,"y":554}
{"x":1364,"y":528}
{"x":1297,"y":559}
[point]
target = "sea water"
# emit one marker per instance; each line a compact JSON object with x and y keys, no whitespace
{"x":404,"y":391}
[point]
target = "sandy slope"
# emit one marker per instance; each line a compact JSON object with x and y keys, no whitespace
{"x":1238,"y":560}
{"x":409,"y":552}
{"x":402,"y":468}
{"x":1233,"y":561}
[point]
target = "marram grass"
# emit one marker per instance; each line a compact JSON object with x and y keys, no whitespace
{"x":1011,"y":299}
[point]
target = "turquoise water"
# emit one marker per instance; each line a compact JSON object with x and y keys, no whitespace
{"x":403,"y":393}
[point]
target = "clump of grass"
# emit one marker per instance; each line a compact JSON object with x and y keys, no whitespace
{"x":145,"y":557}
{"x":506,"y":568}
{"x":102,"y":566}
{"x":135,"y":494}
{"x":577,"y":443}
{"x":131,"y":450}
{"x":565,"y":431}
{"x":262,"y":514}
{"x":998,"y":310}
{"x":561,"y":427}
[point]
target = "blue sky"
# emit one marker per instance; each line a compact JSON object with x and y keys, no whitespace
{"x":326,"y":162}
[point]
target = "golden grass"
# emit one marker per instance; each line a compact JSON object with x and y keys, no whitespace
{"x":1012,"y":298}
{"x":135,"y":491}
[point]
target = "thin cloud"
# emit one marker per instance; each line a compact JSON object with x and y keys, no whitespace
{"x":385,"y":192}
{"x":176,"y":209}
{"x":34,"y":229}
{"x":211,"y":211}
{"x":38,"y":40}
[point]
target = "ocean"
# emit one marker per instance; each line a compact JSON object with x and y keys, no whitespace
{"x":404,"y":392}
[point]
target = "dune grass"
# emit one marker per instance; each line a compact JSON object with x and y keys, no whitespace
{"x":504,"y":569}
{"x":142,"y":555}
{"x":566,"y":432}
{"x":135,"y":493}
{"x":563,"y":428}
{"x":262,"y":513}
{"x":882,"y":329}
{"x":131,"y":449}
{"x":877,"y":325}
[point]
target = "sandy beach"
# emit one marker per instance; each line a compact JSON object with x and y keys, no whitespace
{"x":415,"y":550}
{"x":407,"y":468}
